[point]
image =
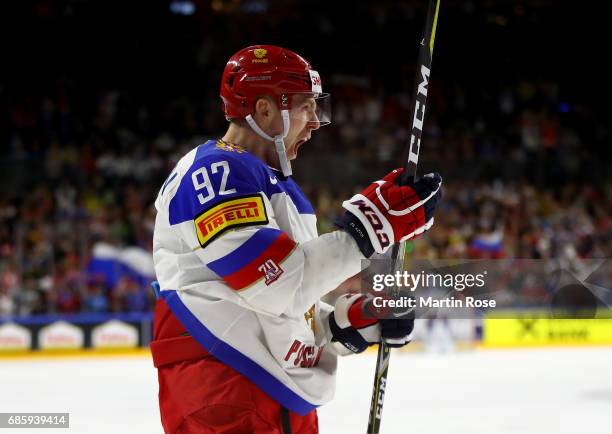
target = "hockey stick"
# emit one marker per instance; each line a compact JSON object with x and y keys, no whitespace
{"x":398,"y":251}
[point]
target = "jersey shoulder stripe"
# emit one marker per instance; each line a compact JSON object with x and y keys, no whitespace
{"x":246,"y":253}
{"x":267,"y":265}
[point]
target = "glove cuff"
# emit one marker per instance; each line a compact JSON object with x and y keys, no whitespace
{"x":351,"y":224}
{"x":349,"y":337}
{"x":377,"y":225}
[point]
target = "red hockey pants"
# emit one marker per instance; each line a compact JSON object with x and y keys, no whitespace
{"x":200,"y":395}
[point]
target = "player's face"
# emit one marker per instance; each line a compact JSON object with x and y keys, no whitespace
{"x":304,"y":120}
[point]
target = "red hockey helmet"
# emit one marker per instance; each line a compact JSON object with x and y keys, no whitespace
{"x":261,"y":70}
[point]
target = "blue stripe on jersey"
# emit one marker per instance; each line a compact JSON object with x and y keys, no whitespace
{"x":235,"y":359}
{"x":247,"y":252}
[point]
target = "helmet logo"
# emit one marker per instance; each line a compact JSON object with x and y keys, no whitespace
{"x":284,"y":100}
{"x":260,"y":53}
{"x":315,"y":81}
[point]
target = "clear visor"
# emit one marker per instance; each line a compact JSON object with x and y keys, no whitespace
{"x":309,"y":107}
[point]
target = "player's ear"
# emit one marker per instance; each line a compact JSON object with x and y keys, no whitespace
{"x":262,"y":107}
{"x":264,"y":112}
{"x":265,"y":107}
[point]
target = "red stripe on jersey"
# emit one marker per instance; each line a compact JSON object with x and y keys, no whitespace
{"x":277,"y":252}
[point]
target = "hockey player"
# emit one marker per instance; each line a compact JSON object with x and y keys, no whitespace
{"x":242,"y":342}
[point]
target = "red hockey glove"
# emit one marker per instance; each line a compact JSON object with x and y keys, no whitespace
{"x":355,"y":331}
{"x":386,"y":213}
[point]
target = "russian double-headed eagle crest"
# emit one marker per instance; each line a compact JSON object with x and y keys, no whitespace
{"x":260,"y":52}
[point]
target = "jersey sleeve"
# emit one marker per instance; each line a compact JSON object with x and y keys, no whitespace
{"x":221,"y":210}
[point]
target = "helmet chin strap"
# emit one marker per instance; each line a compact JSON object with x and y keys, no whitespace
{"x":279,"y":140}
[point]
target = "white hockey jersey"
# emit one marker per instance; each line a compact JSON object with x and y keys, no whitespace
{"x":240,"y":264}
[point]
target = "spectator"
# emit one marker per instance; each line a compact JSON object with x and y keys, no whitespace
{"x":96,"y":300}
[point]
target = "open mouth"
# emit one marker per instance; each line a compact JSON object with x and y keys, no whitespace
{"x":301,"y":142}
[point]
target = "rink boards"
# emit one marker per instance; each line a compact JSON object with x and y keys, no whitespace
{"x":114,"y":336}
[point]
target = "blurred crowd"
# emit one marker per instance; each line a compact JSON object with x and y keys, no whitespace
{"x":525,"y":173}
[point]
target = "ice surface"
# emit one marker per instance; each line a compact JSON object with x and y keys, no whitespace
{"x":558,"y":391}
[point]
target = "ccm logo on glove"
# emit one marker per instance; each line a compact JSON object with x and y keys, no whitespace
{"x":374,"y":221}
{"x":386,"y":213}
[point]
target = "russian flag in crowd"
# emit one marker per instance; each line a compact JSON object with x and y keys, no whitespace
{"x":112,"y":264}
{"x":490,"y":245}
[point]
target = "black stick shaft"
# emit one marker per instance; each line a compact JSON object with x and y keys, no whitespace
{"x":412,"y":159}
{"x":421,"y":83}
